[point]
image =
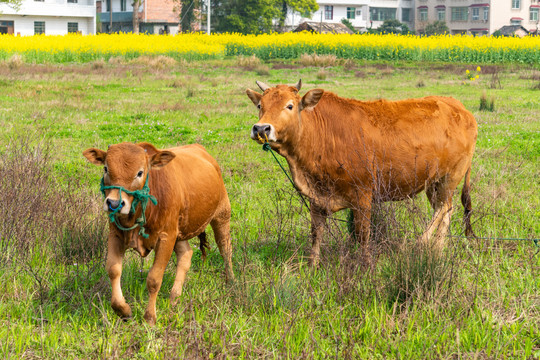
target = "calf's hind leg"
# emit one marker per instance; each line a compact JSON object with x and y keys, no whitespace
{"x":221,"y":226}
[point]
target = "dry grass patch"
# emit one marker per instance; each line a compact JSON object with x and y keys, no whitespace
{"x":248,"y":62}
{"x":156,"y":62}
{"x":319,"y":60}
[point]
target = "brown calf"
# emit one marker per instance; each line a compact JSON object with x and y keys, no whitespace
{"x":345,"y":153}
{"x":190,"y":193}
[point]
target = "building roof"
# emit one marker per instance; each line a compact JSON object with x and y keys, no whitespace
{"x":323,"y":28}
{"x":512,"y":30}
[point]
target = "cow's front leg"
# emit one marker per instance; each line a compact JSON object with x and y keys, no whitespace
{"x":183,"y":255}
{"x":318,"y":224}
{"x":164,"y":249}
{"x":115,"y":255}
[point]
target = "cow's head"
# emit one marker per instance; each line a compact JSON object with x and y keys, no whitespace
{"x":126,"y":165}
{"x":280,"y":110}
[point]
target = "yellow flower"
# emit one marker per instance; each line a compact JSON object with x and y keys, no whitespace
{"x":477,"y":76}
{"x":467,"y":72}
{"x":478,"y":69}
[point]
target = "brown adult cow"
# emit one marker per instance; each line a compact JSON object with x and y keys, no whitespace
{"x":345,"y":153}
{"x":187,"y":184}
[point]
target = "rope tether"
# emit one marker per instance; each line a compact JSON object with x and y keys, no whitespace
{"x":141,"y":196}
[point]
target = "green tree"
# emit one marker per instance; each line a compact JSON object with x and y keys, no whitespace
{"x":187,"y":13}
{"x":437,"y":28}
{"x":348,"y":24}
{"x":256,"y":16}
{"x":15,"y":4}
{"x":393,"y":27}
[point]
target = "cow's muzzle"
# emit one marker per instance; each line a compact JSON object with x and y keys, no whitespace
{"x":263,"y":131}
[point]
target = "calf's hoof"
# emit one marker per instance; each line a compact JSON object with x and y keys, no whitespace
{"x":150,"y":318}
{"x":122,"y":309}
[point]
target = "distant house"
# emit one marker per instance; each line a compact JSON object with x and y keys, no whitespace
{"x":323,"y":28}
{"x":514,"y":30}
{"x":155,"y":16}
{"x":50,"y":17}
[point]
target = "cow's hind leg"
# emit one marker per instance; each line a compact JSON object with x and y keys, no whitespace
{"x":440,"y":197}
{"x":221,"y":226}
{"x":183,"y":256}
{"x":164,"y":251}
{"x":362,"y":226}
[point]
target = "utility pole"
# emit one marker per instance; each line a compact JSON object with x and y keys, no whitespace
{"x":208,"y":19}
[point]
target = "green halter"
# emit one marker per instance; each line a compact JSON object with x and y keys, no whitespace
{"x":141,"y":196}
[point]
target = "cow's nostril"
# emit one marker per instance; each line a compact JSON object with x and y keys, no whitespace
{"x":114,"y":204}
{"x":267,"y":129}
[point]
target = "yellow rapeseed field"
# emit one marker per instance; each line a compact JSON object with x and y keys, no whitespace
{"x":77,"y":48}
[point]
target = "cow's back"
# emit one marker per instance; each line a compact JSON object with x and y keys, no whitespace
{"x":192,"y":185}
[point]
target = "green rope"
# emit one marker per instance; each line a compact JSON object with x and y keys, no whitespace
{"x":139,"y":196}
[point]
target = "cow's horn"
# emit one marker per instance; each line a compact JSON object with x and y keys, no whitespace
{"x":298,"y":85}
{"x":262,"y":85}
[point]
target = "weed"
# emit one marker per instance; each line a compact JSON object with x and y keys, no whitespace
{"x":15,"y":62}
{"x":322,"y":74}
{"x":420,"y":84}
{"x":262,"y":70}
{"x":485,"y":104}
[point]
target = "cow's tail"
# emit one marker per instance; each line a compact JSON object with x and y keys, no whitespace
{"x":467,"y":204}
{"x":203,"y":245}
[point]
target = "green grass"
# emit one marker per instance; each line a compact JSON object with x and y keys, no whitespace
{"x":481,"y":300}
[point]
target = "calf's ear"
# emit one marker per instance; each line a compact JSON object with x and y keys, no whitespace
{"x":149,"y":148}
{"x":254,"y":96}
{"x":161,"y":158}
{"x":95,"y":156}
{"x":311,"y":99}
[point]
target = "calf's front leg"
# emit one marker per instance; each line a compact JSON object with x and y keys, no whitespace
{"x":183,"y":256}
{"x":164,"y":251}
{"x":115,"y":255}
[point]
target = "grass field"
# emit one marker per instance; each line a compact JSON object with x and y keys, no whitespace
{"x":481,"y":300}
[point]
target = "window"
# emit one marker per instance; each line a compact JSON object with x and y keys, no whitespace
{"x":39,"y":27}
{"x":533,"y":15}
{"x":73,"y":27}
{"x":476,"y":13}
{"x":72,"y":1}
{"x":486,"y":13}
{"x":441,"y":14}
{"x":405,"y":14}
{"x":328,"y":12}
{"x":381,"y":14}
{"x":460,"y":13}
{"x":122,"y":5}
{"x":422,"y":14}
{"x":359,"y":12}
{"x":515,"y":21}
{"x":351,"y":12}
{"x":516,"y":4}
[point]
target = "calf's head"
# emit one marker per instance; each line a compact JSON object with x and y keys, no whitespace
{"x":280,"y":110}
{"x":126,"y":165}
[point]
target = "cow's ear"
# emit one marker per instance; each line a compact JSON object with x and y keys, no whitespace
{"x":161,"y":158}
{"x":95,"y":156}
{"x":311,"y":99}
{"x":149,"y":148}
{"x":254,"y":96}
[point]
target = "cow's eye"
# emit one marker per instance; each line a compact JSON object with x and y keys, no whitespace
{"x":290,"y":106}
{"x":140,"y":173}
{"x":259,"y":106}
{"x":105,"y":169}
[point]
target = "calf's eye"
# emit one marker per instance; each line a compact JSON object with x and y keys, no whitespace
{"x":140,"y":173}
{"x":259,"y":106}
{"x":290,"y":106}
{"x":105,"y":169}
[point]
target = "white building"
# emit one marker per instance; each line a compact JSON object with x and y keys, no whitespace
{"x":363,"y":14}
{"x":50,"y":17}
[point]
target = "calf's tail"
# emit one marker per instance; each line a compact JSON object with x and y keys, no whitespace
{"x":203,"y":244}
{"x":466,"y":201}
